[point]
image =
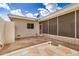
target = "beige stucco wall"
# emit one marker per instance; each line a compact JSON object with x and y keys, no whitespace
{"x":2,"y":24}
{"x":7,"y":32}
{"x":21,"y":28}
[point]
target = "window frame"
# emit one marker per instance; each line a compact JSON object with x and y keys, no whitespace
{"x":30,"y":25}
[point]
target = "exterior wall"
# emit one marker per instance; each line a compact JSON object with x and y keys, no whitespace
{"x":6,"y":32}
{"x":9,"y":32}
{"x":2,"y":25}
{"x":21,"y":28}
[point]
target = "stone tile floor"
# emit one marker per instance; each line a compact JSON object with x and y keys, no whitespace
{"x":30,"y":41}
{"x":22,"y":43}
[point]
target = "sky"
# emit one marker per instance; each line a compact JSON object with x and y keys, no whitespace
{"x":33,"y":10}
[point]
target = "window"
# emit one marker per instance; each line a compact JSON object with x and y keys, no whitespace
{"x":53,"y":26}
{"x":66,"y":25}
{"x":30,"y":26}
{"x":45,"y":27}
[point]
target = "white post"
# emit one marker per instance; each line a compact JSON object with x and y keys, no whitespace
{"x":57,"y":25}
{"x":41,"y":28}
{"x":48,"y":29}
{"x":75,"y":24}
{"x":48,"y":26}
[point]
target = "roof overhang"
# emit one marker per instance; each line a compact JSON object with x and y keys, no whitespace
{"x":63,"y":11}
{"x":21,"y":17}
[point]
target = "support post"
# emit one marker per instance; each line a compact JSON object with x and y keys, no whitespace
{"x":75,"y":25}
{"x":57,"y":26}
